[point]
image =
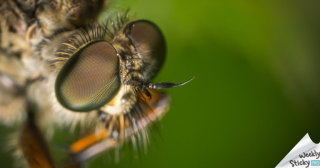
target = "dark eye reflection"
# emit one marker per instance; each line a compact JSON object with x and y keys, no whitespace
{"x":90,"y":78}
{"x":149,"y":43}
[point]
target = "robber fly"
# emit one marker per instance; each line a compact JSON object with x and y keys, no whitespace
{"x":60,"y":67}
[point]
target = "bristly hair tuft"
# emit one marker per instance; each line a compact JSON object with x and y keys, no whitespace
{"x":92,"y":32}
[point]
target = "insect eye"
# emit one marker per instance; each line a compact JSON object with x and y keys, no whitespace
{"x":90,"y":78}
{"x":149,"y":43}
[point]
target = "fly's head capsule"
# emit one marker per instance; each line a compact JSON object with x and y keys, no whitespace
{"x":99,"y":61}
{"x":108,"y":68}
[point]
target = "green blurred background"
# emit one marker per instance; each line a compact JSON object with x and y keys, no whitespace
{"x":257,"y":86}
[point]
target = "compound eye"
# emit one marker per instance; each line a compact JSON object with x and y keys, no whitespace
{"x":90,"y":78}
{"x":149,"y":43}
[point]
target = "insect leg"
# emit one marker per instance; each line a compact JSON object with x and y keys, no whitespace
{"x":34,"y":145}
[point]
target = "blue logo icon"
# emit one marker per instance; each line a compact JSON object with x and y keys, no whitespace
{"x":315,"y":162}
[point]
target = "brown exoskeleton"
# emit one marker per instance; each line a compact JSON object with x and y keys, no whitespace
{"x":59,"y":67}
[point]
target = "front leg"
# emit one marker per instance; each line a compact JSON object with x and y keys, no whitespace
{"x":34,"y":146}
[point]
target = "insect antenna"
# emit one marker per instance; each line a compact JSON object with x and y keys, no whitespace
{"x":167,"y":85}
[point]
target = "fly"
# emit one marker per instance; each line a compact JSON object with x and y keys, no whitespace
{"x":59,"y":67}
